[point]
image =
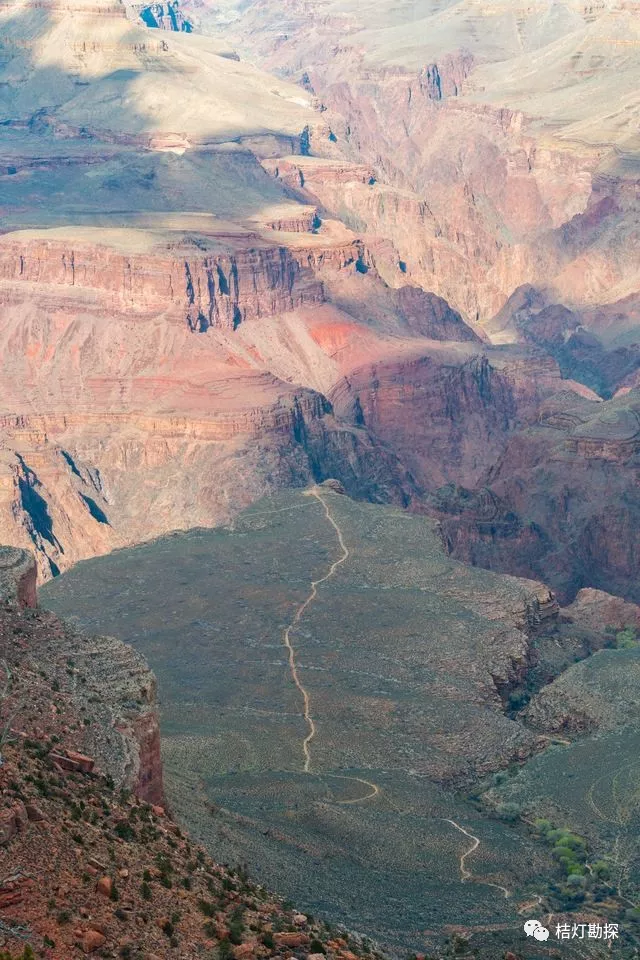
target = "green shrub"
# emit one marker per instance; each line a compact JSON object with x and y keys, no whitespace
{"x":509,"y":811}
{"x":626,"y":639}
{"x":125,"y":831}
{"x":236,"y":926}
{"x":208,"y":908}
{"x":225,"y":950}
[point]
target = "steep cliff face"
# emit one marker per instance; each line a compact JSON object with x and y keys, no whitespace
{"x":18,"y":577}
{"x":561,"y":499}
{"x":220,"y":290}
{"x":500,"y":183}
{"x":128,"y":378}
{"x":253,"y":284}
{"x":448,"y":412}
{"x":163,"y":16}
{"x":101,"y":482}
{"x":99,"y":677}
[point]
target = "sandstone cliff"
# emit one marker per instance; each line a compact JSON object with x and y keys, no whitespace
{"x":253,"y":284}
{"x":482,"y":181}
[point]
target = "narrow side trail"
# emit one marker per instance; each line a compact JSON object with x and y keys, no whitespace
{"x":464,"y":872}
{"x":374,"y":789}
{"x":296,"y":620}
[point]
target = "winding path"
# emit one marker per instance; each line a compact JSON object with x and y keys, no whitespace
{"x":466,"y":874}
{"x":374,"y":789}
{"x":296,"y":620}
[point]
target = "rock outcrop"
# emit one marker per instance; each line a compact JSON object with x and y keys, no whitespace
{"x":18,"y":577}
{"x":91,"y":863}
{"x":218,"y":290}
{"x":101,"y":677}
{"x":501,"y":183}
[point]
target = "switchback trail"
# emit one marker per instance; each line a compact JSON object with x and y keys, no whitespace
{"x":374,"y":789}
{"x":296,"y":620}
{"x":466,"y":874}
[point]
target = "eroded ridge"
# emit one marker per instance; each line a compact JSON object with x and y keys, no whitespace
{"x":296,"y":620}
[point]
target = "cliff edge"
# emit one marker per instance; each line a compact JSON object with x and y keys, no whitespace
{"x":90,"y":862}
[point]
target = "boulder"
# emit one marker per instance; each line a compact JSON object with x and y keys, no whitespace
{"x":104,"y":886}
{"x":92,"y":940}
{"x":291,"y":939}
{"x":34,"y":813}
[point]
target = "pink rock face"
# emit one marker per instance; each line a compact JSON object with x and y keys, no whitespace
{"x":389,"y":274}
{"x":135,"y":370}
{"x":204,"y":291}
{"x":491,"y":195}
{"x":149,"y":786}
{"x":597,"y":610}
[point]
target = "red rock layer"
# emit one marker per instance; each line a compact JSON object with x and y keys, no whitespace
{"x":220,"y":290}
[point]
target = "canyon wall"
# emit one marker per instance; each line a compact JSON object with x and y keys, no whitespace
{"x":385,"y":272}
{"x":478,"y":194}
{"x":101,"y":672}
{"x":219,"y":290}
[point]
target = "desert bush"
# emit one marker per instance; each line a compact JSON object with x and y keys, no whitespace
{"x":626,"y":639}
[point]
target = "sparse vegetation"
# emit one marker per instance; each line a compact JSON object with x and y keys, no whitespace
{"x":27,"y":954}
{"x":626,"y":639}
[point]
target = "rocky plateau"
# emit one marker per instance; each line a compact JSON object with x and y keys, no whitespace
{"x":398,"y":264}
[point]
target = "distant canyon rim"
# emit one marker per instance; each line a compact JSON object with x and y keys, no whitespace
{"x":246,"y":248}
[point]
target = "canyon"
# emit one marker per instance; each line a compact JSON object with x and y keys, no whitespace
{"x":360,"y":718}
{"x":91,"y":861}
{"x":320,"y":351}
{"x":215,"y":283}
{"x":384,"y":266}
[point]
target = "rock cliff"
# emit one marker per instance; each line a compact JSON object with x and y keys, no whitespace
{"x":100,"y":677}
{"x":387,"y":272}
{"x":90,"y":862}
{"x":18,"y":577}
{"x":501,"y":182}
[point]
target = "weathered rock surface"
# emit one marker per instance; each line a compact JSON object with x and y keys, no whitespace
{"x":598,"y":694}
{"x":86,"y":865}
{"x":504,"y":182}
{"x":18,"y":577}
{"x":102,"y":676}
{"x":596,"y":610}
{"x":261,"y":315}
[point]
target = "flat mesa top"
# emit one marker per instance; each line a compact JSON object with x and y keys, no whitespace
{"x":136,"y":82}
